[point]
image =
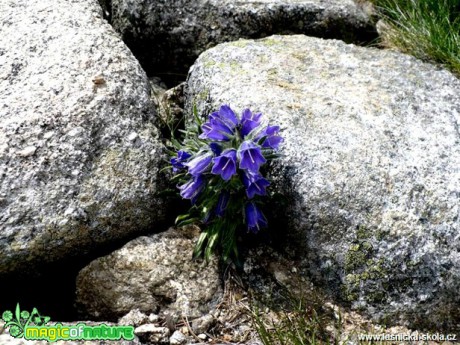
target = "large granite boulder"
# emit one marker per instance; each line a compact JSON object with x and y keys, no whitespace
{"x":155,"y":274}
{"x":370,"y":166}
{"x":173,"y":33}
{"x":79,"y":154}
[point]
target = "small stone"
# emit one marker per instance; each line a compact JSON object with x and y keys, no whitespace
{"x":203,"y":324}
{"x":134,"y":318}
{"x":133,"y":136}
{"x":150,"y":328}
{"x":228,"y":337}
{"x":153,"y":333}
{"x":244,"y":329}
{"x":202,"y":336}
{"x":153,"y":318}
{"x":28,"y":151}
{"x":177,"y":338}
{"x":281,"y":277}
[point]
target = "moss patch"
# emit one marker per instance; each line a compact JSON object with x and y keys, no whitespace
{"x":361,"y":267}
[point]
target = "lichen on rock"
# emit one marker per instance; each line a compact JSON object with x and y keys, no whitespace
{"x":369,"y":167}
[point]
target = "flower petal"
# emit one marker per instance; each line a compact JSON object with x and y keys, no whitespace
{"x":272,"y":138}
{"x":255,"y":184}
{"x":199,"y":164}
{"x":227,"y":114}
{"x":220,"y":125}
{"x":176,"y":162}
{"x":216,"y":148}
{"x":249,"y":121}
{"x":273,"y":142}
{"x":254,"y":217}
{"x":192,"y":188}
{"x":225,"y":164}
{"x":251,"y":157}
{"x":222,"y":203}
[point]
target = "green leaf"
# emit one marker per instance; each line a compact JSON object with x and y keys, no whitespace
{"x":18,"y":313}
{"x":11,"y":323}
{"x":198,"y":251}
{"x":195,"y":114}
{"x":166,"y":192}
{"x":165,"y":169}
{"x":188,"y":221}
{"x":181,"y":217}
{"x":228,"y":240}
{"x":210,"y":246}
{"x":171,"y":153}
{"x":212,"y":242}
{"x":178,"y":176}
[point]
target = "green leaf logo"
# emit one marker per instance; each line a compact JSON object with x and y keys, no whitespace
{"x":18,"y":321}
{"x":7,"y":316}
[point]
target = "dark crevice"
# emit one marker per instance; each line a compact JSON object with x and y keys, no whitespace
{"x":167,"y":49}
{"x":50,"y":287}
{"x":172,"y":66}
{"x":106,"y":6}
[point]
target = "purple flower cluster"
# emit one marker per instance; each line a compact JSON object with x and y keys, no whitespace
{"x":233,"y":148}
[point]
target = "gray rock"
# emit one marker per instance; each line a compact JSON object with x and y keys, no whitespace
{"x":370,"y":166}
{"x":153,"y":318}
{"x":158,"y":88}
{"x":203,"y":324}
{"x":170,"y":105}
{"x":202,"y":336}
{"x":268,"y":275}
{"x":134,"y":318}
{"x":174,"y":33}
{"x":177,"y":338}
{"x":72,"y":174}
{"x":153,"y":334}
{"x":152,"y":274}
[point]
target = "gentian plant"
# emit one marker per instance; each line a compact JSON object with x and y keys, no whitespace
{"x":219,"y":165}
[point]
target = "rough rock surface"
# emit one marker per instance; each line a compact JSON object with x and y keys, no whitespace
{"x":79,"y":155}
{"x":370,"y":166}
{"x":174,"y":33}
{"x":153,"y":334}
{"x":152,"y":274}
